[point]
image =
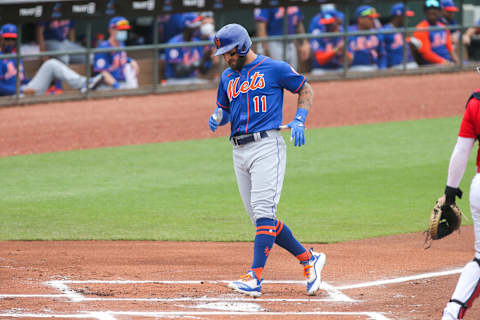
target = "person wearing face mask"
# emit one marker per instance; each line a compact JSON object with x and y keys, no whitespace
{"x":50,"y":70}
{"x":184,"y":64}
{"x":118,"y":70}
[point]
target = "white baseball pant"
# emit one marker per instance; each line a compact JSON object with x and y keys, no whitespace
{"x":468,"y":285}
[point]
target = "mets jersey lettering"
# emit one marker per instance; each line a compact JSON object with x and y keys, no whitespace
{"x":436,"y":44}
{"x":254,"y":95}
{"x":394,"y":47}
{"x":257,"y":83}
{"x":367,"y":50}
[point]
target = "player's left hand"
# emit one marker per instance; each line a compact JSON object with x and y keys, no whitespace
{"x":297,"y":132}
{"x":298,"y":127}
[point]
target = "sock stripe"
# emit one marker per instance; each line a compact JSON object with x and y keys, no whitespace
{"x":268,"y":233}
{"x":279,"y":228}
{"x":305,"y":256}
{"x":266,"y":227}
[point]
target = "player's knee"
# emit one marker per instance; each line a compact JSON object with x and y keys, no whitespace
{"x":263,"y":209}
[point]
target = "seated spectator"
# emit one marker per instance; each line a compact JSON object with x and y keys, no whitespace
{"x":436,"y":45}
{"x":471,"y":40}
{"x":170,"y":25}
{"x":50,"y":70}
{"x":368,"y":50}
{"x":183,"y":64}
{"x":448,"y":18}
{"x":206,"y":32}
{"x":394,"y":44}
{"x":328,"y":53}
{"x":59,"y":35}
{"x":119,"y":71}
{"x":269,"y":22}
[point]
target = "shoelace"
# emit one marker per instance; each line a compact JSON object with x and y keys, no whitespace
{"x":306,"y":271}
{"x":246,"y":277}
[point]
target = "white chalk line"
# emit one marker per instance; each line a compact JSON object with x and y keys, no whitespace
{"x":400,"y":280}
{"x":111,"y":314}
{"x":70,"y":294}
{"x":61,"y":285}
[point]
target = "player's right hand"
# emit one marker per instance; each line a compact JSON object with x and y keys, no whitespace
{"x":212,"y":123}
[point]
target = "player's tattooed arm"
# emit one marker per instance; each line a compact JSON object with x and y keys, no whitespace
{"x":305,"y":97}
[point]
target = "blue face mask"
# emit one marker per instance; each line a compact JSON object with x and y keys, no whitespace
{"x":121,"y":36}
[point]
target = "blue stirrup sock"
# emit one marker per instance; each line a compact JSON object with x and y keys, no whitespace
{"x":264,"y":240}
{"x":286,"y":240}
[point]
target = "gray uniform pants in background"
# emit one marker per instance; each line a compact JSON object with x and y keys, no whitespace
{"x":65,"y":45}
{"x":260,"y":169}
{"x":54,"y":69}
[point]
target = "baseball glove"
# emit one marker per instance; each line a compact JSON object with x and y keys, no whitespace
{"x":444,"y":219}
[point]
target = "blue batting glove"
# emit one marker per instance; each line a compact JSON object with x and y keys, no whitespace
{"x":298,"y":127}
{"x":212,"y":123}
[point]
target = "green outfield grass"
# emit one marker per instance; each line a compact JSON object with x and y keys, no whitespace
{"x":346,"y":183}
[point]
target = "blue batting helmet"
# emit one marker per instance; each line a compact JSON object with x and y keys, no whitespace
{"x":231,"y":36}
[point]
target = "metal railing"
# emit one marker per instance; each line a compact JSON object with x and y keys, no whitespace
{"x":155,"y":47}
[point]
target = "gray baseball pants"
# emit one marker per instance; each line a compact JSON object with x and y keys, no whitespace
{"x":260,"y":170}
{"x":54,"y":69}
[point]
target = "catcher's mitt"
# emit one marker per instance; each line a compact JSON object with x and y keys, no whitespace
{"x":444,"y":219}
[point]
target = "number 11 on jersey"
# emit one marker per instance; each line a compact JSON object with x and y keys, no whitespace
{"x":257,"y":100}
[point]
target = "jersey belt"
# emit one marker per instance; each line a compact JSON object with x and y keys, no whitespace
{"x":247,"y":138}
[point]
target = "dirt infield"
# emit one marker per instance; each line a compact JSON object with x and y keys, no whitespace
{"x":382,"y":278}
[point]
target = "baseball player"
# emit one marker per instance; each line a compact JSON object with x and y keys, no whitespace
{"x":468,"y":286}
{"x":59,"y":35}
{"x":368,"y":50}
{"x":269,"y":22}
{"x":119,"y":71}
{"x":51,"y":69}
{"x":394,"y":41}
{"x":170,"y":25}
{"x":328,"y":53}
{"x":250,"y":97}
{"x":183,"y":64}
{"x":448,"y":18}
{"x":436,"y":45}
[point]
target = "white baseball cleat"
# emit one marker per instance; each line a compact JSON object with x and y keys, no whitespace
{"x":312,"y":270}
{"x":248,"y":284}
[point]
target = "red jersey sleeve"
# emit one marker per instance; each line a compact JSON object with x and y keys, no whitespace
{"x":470,"y":125}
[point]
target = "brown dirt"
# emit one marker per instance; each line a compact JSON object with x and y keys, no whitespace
{"x":26,"y":266}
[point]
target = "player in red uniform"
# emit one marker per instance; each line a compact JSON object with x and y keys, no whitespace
{"x":468,"y":286}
